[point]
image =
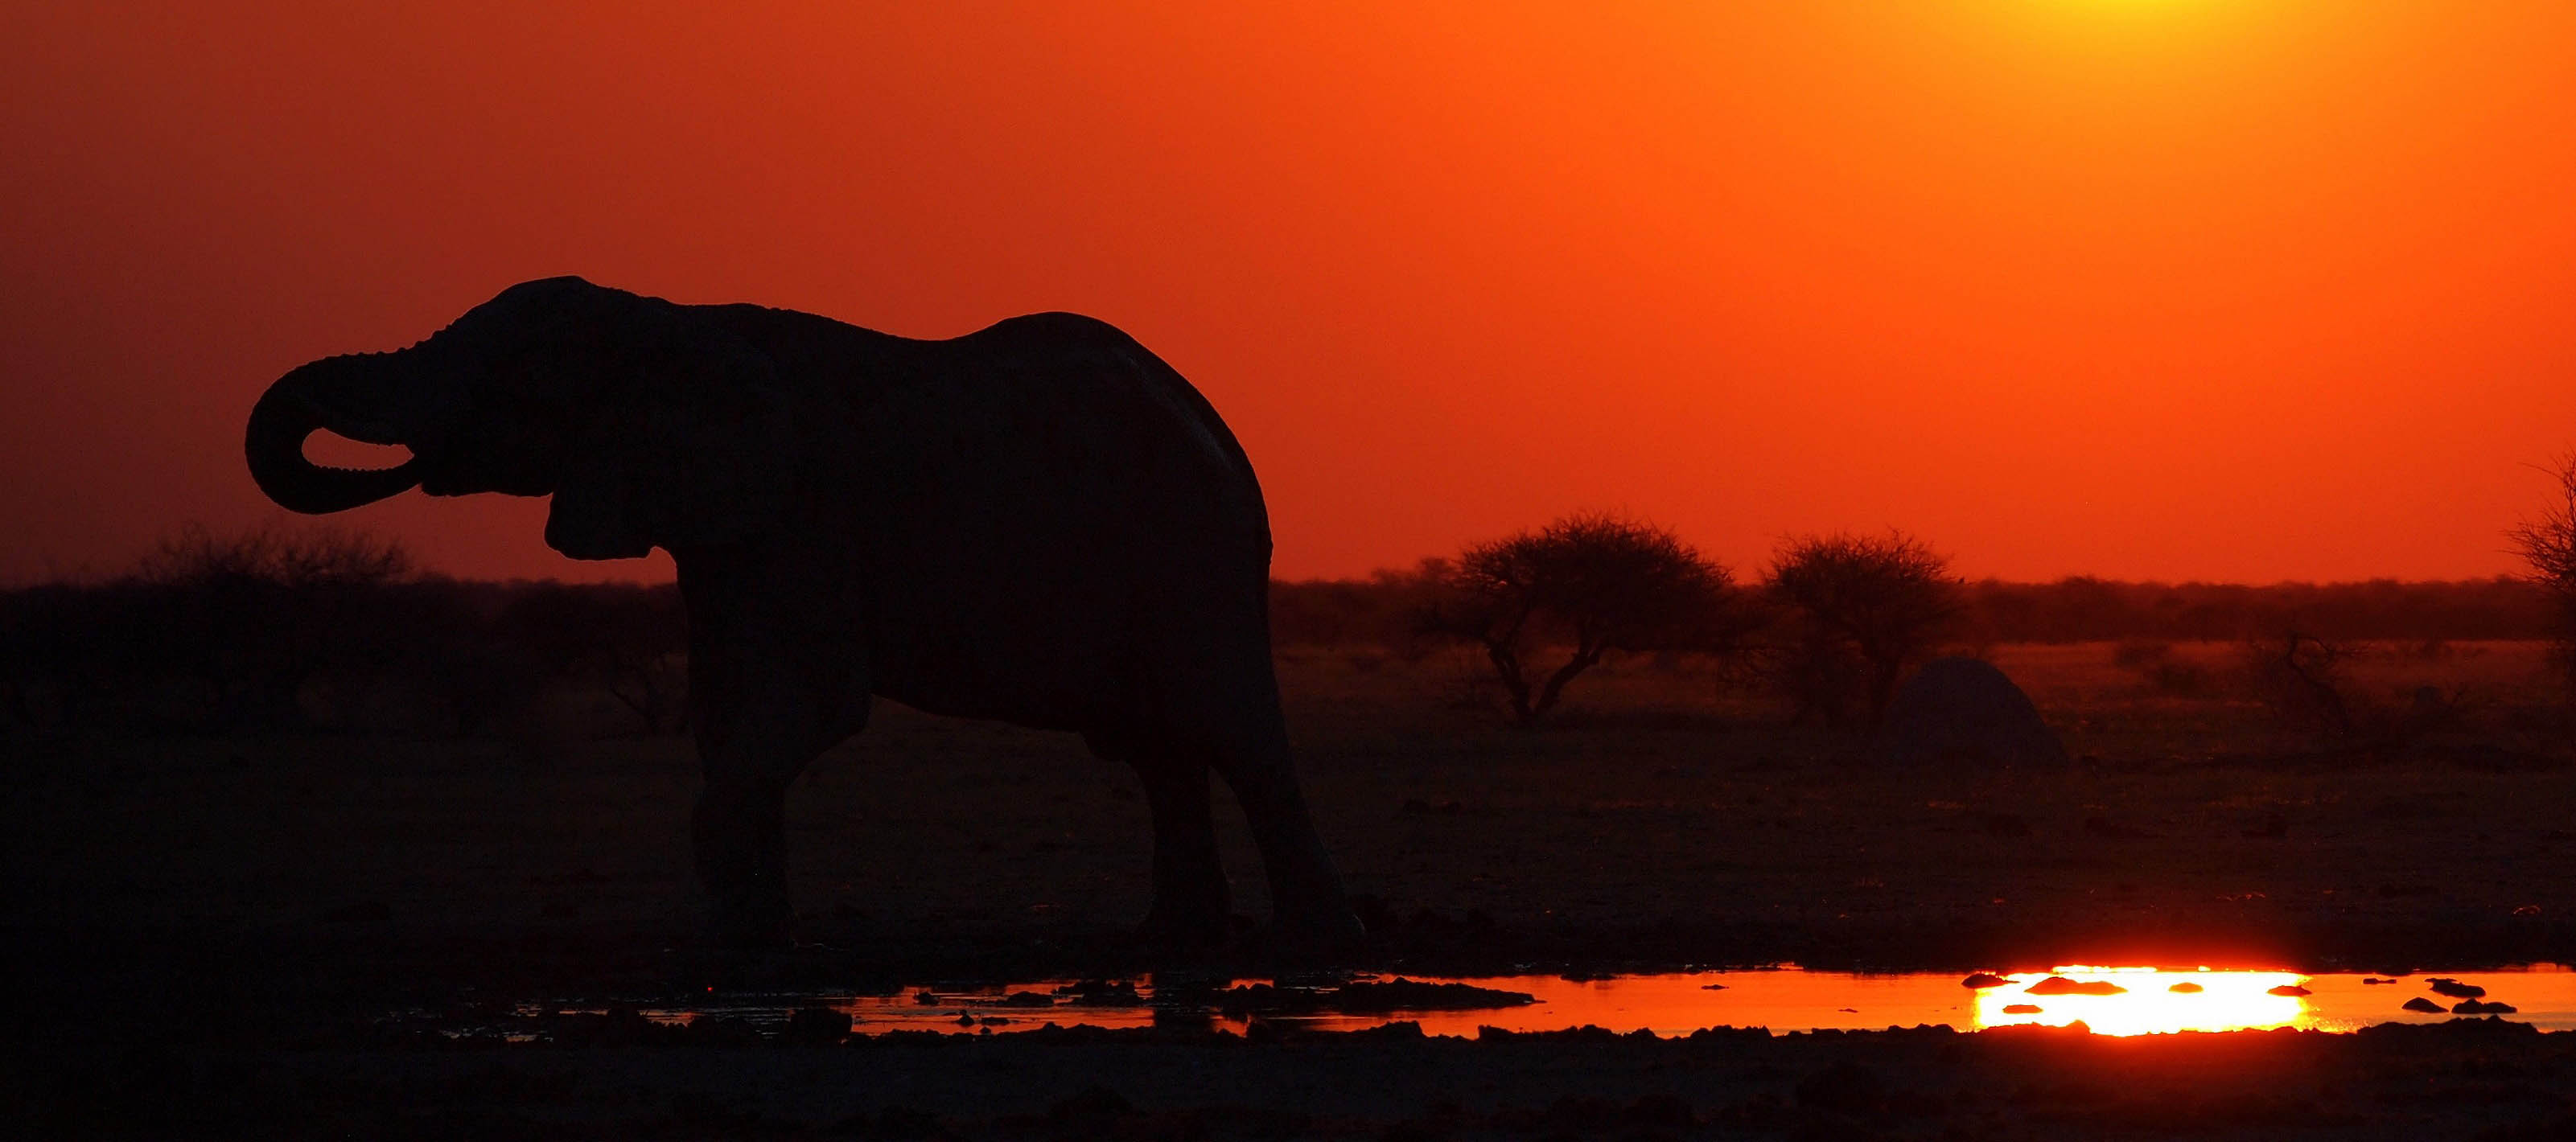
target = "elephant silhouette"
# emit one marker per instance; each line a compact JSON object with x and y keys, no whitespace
{"x":1040,"y":522}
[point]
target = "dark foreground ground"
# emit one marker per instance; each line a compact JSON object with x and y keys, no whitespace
{"x":2473,"y":1079}
{"x":211,"y":931}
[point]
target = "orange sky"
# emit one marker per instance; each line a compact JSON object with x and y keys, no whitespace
{"x":2143,"y":288}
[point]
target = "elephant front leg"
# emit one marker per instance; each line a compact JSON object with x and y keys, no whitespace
{"x":751,"y":752}
{"x":1192,"y":901}
{"x":740,"y":838}
{"x":769,"y":694}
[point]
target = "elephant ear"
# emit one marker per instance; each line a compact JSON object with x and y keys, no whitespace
{"x":687,"y":445}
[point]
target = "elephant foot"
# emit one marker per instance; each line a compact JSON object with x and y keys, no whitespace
{"x":768,"y":926}
{"x":1317,"y":936}
{"x":1195,"y":929}
{"x":773,"y":969}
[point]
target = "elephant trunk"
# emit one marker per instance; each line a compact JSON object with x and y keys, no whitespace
{"x":313,"y":398}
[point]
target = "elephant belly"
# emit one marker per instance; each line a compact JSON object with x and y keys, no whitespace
{"x":1032,"y":656}
{"x":1040,"y":690}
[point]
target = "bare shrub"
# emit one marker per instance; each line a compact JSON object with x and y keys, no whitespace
{"x":2302,"y":679}
{"x":306,"y":558}
{"x":2547,"y":545}
{"x":627,"y":641}
{"x":1592,"y":583}
{"x":243,"y":622}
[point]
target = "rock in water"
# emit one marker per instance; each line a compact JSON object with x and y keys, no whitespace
{"x":1964,"y":710}
{"x":2060,"y":985}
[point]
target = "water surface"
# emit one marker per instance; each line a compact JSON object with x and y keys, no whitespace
{"x":1787,"y":998}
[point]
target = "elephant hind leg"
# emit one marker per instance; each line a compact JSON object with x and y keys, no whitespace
{"x":1250,"y":750}
{"x":1192,"y":901}
{"x":1306,"y":898}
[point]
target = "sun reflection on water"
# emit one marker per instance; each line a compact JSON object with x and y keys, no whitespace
{"x":2149,"y":1003}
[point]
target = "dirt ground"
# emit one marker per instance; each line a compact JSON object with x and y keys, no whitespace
{"x":212,"y":927}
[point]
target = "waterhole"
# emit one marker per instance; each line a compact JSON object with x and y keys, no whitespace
{"x":2108,"y":1000}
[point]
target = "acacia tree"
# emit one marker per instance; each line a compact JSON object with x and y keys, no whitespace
{"x":1860,"y":610}
{"x":2548,"y":548}
{"x":1596,"y":582}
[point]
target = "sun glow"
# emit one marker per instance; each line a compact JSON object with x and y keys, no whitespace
{"x":2147,"y":1003}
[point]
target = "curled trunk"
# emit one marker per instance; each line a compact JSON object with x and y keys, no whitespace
{"x":293,"y":409}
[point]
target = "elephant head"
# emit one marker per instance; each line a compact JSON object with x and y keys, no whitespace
{"x":651,"y":424}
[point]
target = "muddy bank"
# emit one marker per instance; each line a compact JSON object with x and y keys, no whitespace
{"x":2472,"y":1079}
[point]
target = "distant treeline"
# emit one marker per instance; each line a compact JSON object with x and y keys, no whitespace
{"x":426,"y":655}
{"x":2084,"y":609}
{"x":320,"y":630}
{"x":279,"y":630}
{"x":1383,"y":610}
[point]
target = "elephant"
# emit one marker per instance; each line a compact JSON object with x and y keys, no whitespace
{"x":1040,"y":523}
